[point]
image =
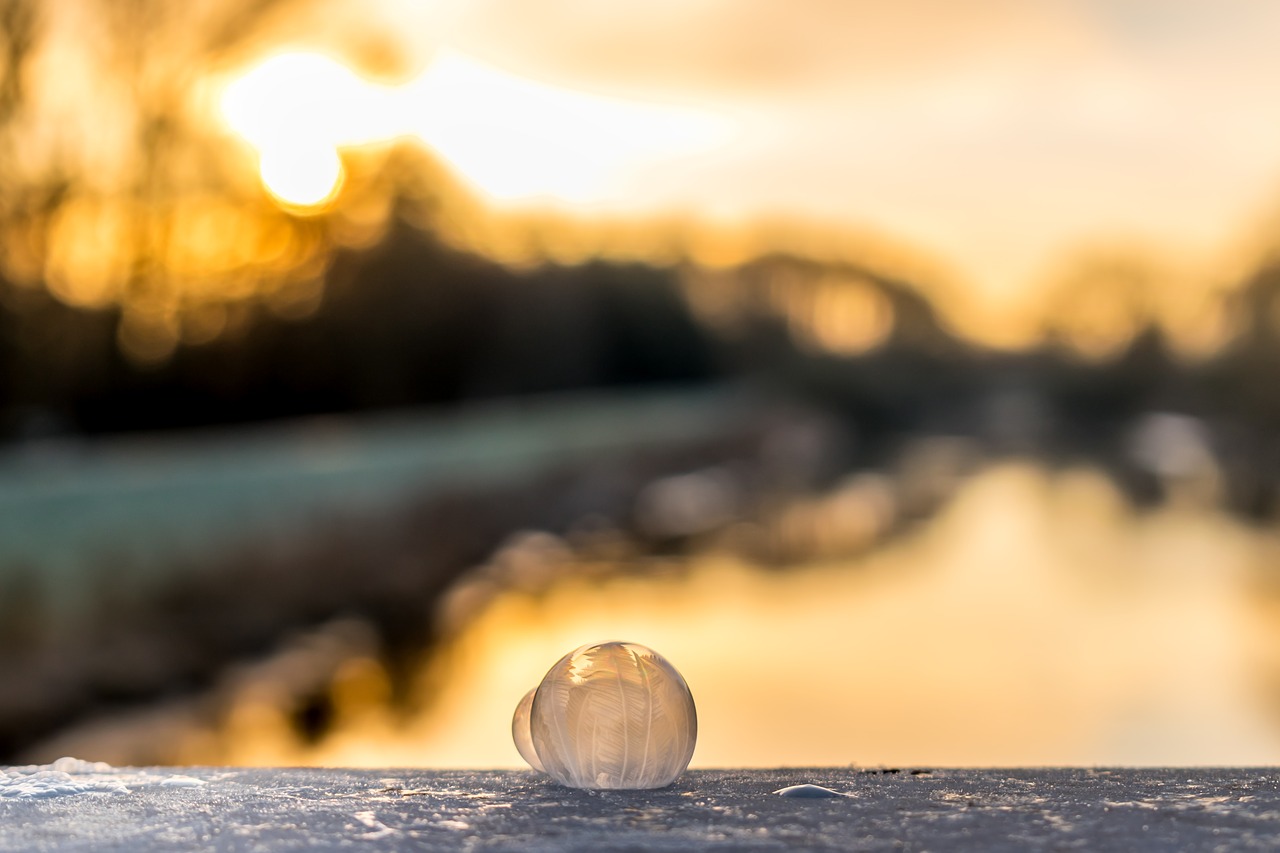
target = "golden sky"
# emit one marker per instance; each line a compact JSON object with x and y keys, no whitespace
{"x":998,"y":136}
{"x":988,"y":149}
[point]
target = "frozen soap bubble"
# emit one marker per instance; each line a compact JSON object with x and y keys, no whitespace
{"x":520,"y":732}
{"x":610,"y":715}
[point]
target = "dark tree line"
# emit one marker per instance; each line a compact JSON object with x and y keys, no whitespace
{"x":410,"y":322}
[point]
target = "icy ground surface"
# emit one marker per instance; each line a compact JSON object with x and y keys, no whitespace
{"x":78,"y":806}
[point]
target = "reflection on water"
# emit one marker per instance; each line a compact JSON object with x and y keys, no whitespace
{"x":1038,"y":620}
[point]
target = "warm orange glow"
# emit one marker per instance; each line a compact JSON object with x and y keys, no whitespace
{"x":88,"y":261}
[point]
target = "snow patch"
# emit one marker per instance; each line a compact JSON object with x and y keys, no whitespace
{"x":75,"y":766}
{"x":71,"y":776}
{"x":377,"y":829}
{"x":64,"y":777}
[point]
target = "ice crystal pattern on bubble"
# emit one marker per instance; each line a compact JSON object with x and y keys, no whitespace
{"x":610,"y":715}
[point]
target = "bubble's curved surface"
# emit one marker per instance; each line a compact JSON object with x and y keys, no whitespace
{"x":520,"y":732}
{"x":613,"y":715}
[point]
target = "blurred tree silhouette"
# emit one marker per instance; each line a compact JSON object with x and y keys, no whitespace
{"x":147,"y":280}
{"x":119,"y":190}
{"x":410,"y":321}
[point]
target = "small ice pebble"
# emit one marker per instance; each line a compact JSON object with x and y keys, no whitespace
{"x":807,"y":792}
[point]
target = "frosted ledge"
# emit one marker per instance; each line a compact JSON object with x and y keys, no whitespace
{"x":97,"y":807}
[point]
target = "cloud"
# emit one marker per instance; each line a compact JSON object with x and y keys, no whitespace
{"x":747,"y":46}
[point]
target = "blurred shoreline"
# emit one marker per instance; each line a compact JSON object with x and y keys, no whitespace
{"x":361,"y":520}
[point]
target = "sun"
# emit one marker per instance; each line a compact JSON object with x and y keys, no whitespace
{"x":297,"y":110}
{"x":511,"y":139}
{"x":304,"y":176}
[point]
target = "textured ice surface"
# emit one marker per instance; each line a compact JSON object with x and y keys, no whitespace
{"x":613,"y":715}
{"x":316,"y":811}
